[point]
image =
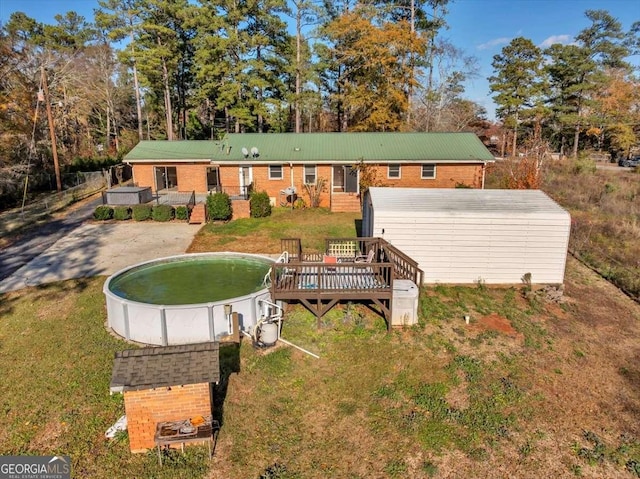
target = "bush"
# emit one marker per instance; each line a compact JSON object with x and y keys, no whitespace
{"x":182,"y":213}
{"x":260,"y":205}
{"x":141,"y":212}
{"x":162,"y":213}
{"x":219,"y":206}
{"x":584,"y":165}
{"x":103,"y":213}
{"x":122,"y":213}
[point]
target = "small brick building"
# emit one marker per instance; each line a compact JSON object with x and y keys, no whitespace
{"x":159,"y":384}
{"x":326,"y":162}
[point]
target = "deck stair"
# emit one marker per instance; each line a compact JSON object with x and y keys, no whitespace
{"x":198,"y":214}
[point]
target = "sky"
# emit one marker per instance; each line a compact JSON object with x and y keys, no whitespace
{"x":480,"y":28}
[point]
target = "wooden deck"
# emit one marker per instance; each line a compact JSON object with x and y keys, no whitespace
{"x":352,"y":269}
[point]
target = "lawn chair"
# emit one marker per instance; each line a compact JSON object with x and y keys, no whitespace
{"x":366,"y":259}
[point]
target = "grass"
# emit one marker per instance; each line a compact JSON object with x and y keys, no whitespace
{"x":54,"y":393}
{"x":368,"y":383}
{"x":262,"y":235}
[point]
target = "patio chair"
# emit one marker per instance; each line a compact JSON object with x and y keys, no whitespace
{"x":366,"y":259}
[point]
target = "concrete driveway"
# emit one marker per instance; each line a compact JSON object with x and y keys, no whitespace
{"x":92,"y":249}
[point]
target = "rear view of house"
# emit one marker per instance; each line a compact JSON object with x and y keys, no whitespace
{"x":285,"y":163}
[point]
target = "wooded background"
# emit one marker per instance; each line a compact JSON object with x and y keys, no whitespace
{"x":172,"y":69}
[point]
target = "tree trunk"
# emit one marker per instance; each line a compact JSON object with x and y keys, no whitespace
{"x":576,"y":138}
{"x":515,"y":137}
{"x":298,"y":75}
{"x":136,"y":87}
{"x":108,"y":131}
{"x":259,"y":95}
{"x":411,"y":66}
{"x":167,"y":97}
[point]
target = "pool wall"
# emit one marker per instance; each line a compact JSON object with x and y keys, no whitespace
{"x":181,"y":324}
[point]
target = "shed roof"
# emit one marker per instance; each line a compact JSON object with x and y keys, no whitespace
{"x":321,"y":147}
{"x":463,"y":202}
{"x":149,"y":368}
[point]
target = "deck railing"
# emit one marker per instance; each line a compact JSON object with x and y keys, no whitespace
{"x":342,"y":279}
{"x":350,"y":269}
{"x":404,"y":267}
{"x":238,"y":192}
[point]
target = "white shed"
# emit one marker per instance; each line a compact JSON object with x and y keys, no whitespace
{"x":461,"y":236}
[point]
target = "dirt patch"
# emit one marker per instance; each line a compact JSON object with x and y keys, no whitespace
{"x":495,"y":322}
{"x":48,"y":437}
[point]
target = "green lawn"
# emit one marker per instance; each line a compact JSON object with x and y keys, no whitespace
{"x":56,"y":357}
{"x":262,"y":235}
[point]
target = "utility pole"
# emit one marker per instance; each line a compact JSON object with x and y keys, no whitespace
{"x":52,"y":130}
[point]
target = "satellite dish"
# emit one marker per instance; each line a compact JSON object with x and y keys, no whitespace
{"x":254,"y":151}
{"x":245,"y":152}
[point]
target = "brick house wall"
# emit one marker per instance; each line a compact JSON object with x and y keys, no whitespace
{"x":262,"y":182}
{"x":143,"y":176}
{"x":193,"y":177}
{"x":447,"y":176}
{"x":146,"y":407}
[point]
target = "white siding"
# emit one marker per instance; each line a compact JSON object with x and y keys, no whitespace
{"x":463,"y":236}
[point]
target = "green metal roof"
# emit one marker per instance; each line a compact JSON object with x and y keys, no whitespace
{"x":321,"y":147}
{"x":152,"y":150}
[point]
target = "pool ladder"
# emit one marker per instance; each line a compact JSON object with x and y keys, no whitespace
{"x":283,"y":258}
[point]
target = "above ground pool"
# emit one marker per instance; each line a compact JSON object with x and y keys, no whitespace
{"x":182,"y":299}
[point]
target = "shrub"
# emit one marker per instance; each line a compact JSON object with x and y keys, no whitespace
{"x":260,"y":205}
{"x":182,"y":213}
{"x":162,"y":213}
{"x":122,"y":213}
{"x":141,"y":212}
{"x":584,"y":165}
{"x":219,"y":206}
{"x":103,"y":213}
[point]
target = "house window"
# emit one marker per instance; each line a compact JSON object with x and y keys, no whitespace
{"x":309,"y":174}
{"x":275,"y":172}
{"x":428,"y":170}
{"x":393,"y":171}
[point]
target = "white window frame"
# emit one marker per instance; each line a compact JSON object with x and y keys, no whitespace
{"x":275,"y":177}
{"x":394,"y":177}
{"x":315,"y":174}
{"x":422,"y":175}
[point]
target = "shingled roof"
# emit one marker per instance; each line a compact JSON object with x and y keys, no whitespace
{"x":149,"y":368}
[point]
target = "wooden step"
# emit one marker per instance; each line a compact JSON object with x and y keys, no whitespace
{"x":345,"y":203}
